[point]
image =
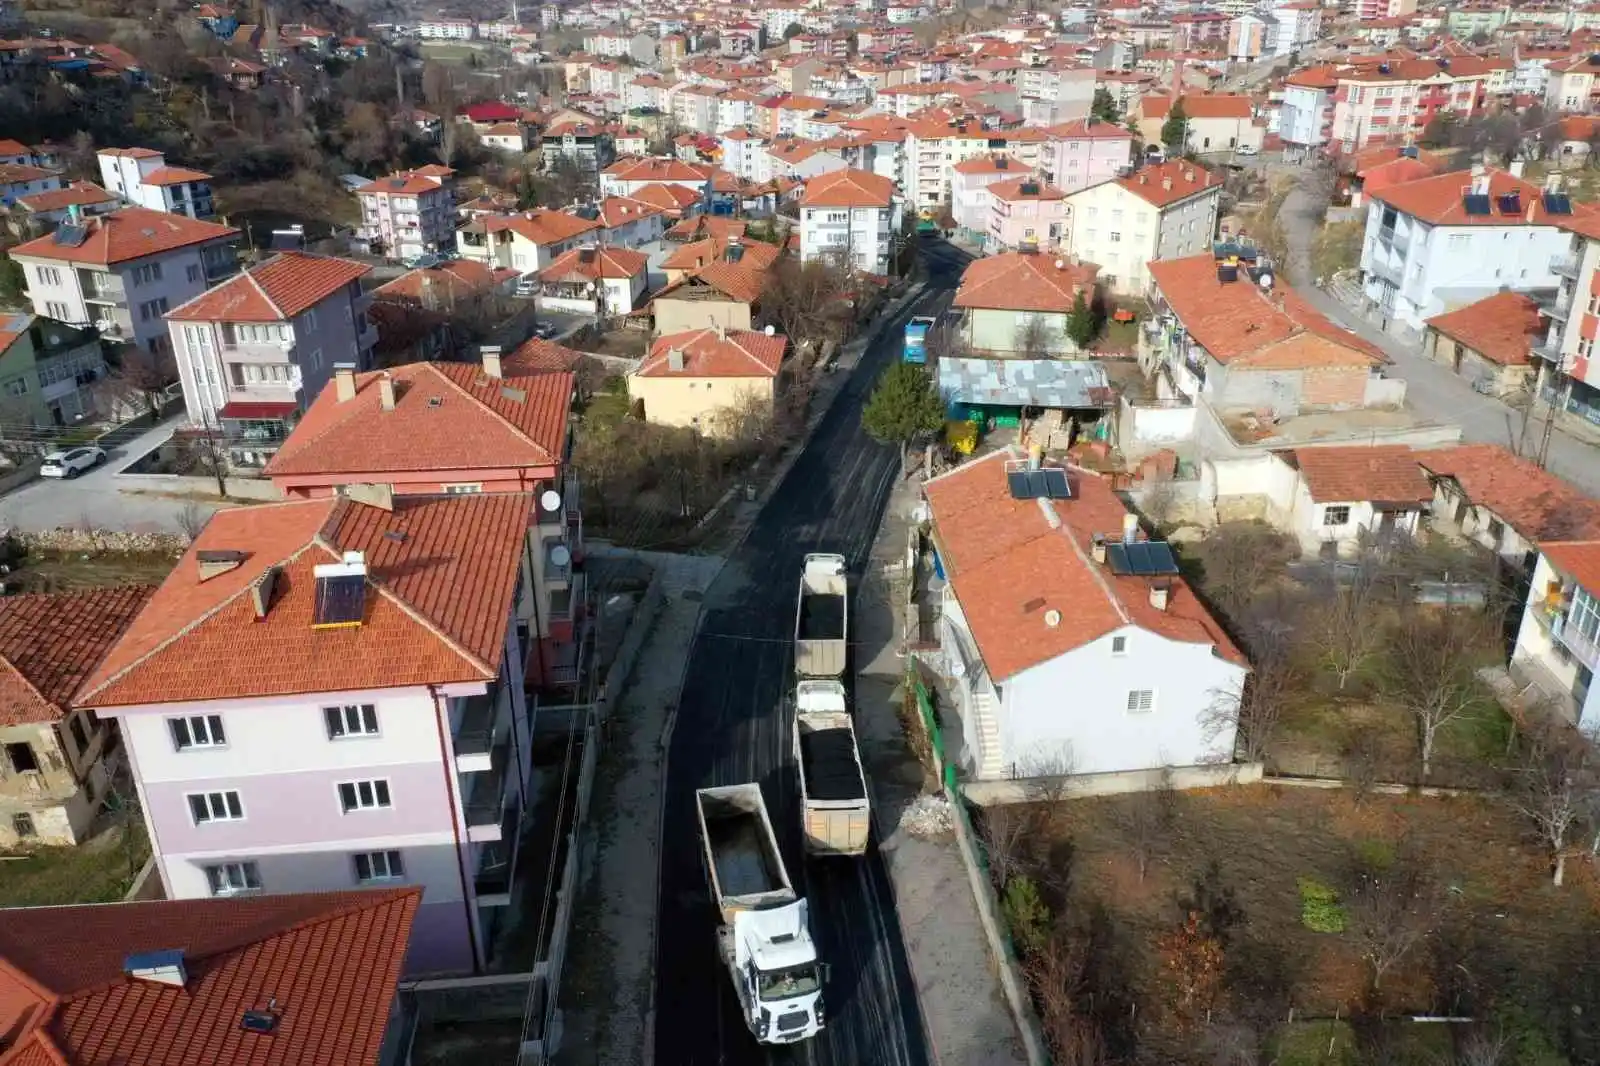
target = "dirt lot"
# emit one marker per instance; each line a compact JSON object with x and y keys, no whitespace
{"x":1317,"y":738}
{"x":57,"y":572}
{"x":1501,"y":943}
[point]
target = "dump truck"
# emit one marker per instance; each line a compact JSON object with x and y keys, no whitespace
{"x":835,"y":815}
{"x":764,"y":932}
{"x":821,"y":623}
{"x":916,"y":344}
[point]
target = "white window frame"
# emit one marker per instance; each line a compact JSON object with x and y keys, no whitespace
{"x":1141,"y":700}
{"x":1119,"y":645}
{"x":378,"y":796}
{"x":1336,"y":515}
{"x":209,"y":724}
{"x":351,"y":721}
{"x":389,"y":859}
{"x":233,"y":878}
{"x":464,"y":488}
{"x":221,"y":806}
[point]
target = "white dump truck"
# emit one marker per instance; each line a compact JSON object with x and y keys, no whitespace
{"x":765,"y":934}
{"x":835,"y":815}
{"x":821,"y":620}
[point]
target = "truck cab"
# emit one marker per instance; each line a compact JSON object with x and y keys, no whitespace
{"x":781,"y":986}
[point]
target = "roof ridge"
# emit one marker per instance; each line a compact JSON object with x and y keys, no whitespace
{"x":503,"y":420}
{"x":250,"y":274}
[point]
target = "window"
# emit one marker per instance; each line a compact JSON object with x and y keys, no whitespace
{"x":21,"y":757}
{"x":1497,"y":530}
{"x":192,"y":272}
{"x":351,"y":720}
{"x":1119,"y":645}
{"x":80,"y":735}
{"x":17,"y":387}
{"x":197,"y":731}
{"x":22,"y":825}
{"x":215,"y":807}
{"x":1141,"y":700}
{"x":378,"y":866}
{"x":56,"y":310}
{"x":152,"y":309}
{"x":363,"y":795}
{"x":48,"y":275}
{"x":1116,"y":238}
{"x":470,"y":488}
{"x":231,"y":878}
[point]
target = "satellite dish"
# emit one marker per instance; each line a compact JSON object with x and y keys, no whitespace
{"x":550,"y":500}
{"x":770,"y":330}
{"x":560,"y":555}
{"x":1052,"y":618}
{"x":1266,"y":281}
{"x":1061,"y":264}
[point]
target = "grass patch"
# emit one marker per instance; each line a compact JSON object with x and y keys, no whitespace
{"x":1316,"y":1044}
{"x":68,"y":571}
{"x":100,"y":871}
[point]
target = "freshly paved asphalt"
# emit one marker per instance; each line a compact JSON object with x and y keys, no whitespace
{"x":732,"y":727}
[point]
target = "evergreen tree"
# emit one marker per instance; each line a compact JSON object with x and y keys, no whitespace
{"x":1081,"y":323}
{"x":1104,"y":107}
{"x":1175,"y":131}
{"x":905,"y":405}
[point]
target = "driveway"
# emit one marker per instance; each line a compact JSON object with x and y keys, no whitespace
{"x":95,"y":499}
{"x":1432,"y":389}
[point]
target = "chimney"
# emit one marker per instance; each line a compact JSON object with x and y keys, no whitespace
{"x":1552,"y":183}
{"x":1166,"y":183}
{"x":675,"y":359}
{"x":215,"y":563}
{"x":491,"y":360}
{"x":261,"y":592}
{"x":344,"y":381}
{"x":380,"y":496}
{"x":1517,"y":167}
{"x":1097,"y":547}
{"x":1130,"y":528}
{"x":1158,"y":595}
{"x":386,"y":392}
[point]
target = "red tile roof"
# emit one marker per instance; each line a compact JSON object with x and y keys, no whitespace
{"x":82,"y":193}
{"x":541,"y":227}
{"x":174,"y":176}
{"x":447,"y":416}
{"x":848,"y":188}
{"x":991,"y":164}
{"x":1010,"y":566}
{"x":1579,"y":559}
{"x":1198,"y":105}
{"x":452,"y":280}
{"x":1377,"y":474}
{"x":1089,"y":129}
{"x":408,"y":182}
{"x":1440,"y":201}
{"x":1535,"y":503}
{"x":1168,"y":183}
{"x":125,"y":235}
{"x":50,"y":643}
{"x":1024,"y":281}
{"x":672,"y":199}
{"x":708,"y":353}
{"x":278,"y":290}
{"x":1502,"y":328}
{"x":1025,"y":189}
{"x":330,"y":960}
{"x":1238,"y":323}
{"x":592,"y":263}
{"x":657,"y":170}
{"x":538,"y":356}
{"x":441,"y":571}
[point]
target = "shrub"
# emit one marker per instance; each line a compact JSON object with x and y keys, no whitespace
{"x":1025,"y":913}
{"x":1320,"y":910}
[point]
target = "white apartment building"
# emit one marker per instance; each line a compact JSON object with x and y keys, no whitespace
{"x":254,"y":352}
{"x":410,"y":212}
{"x":447,"y":30}
{"x":1162,"y":212}
{"x":852,"y":214}
{"x":142,"y":178}
{"x":123,"y":271}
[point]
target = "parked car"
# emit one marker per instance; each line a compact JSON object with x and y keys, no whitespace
{"x":1245,"y":149}
{"x":72,"y":461}
{"x":527,"y":286}
{"x":545,"y":330}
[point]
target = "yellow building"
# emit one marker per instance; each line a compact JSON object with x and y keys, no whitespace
{"x":708,"y":378}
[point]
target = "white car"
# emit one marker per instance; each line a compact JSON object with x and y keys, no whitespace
{"x":1246,"y":149}
{"x":72,"y":461}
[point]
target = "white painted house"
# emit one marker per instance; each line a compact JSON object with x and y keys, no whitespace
{"x":141,"y":177}
{"x":853,"y":215}
{"x":1067,"y":641}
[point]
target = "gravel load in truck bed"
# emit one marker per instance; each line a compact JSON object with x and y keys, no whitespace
{"x":830,"y":765}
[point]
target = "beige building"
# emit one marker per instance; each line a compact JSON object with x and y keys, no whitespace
{"x":721,"y":294}
{"x":708,"y":378}
{"x":56,"y":766}
{"x":1161,"y":212}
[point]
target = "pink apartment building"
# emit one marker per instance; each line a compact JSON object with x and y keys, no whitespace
{"x":969,"y":190}
{"x":1025,"y":214}
{"x":1086,"y":152}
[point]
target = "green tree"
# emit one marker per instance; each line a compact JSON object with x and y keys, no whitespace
{"x":1104,"y":108}
{"x":1082,"y":322}
{"x":905,"y":405}
{"x":1440,"y":132}
{"x":794,"y":30}
{"x":1175,"y":131}
{"x":13,"y":285}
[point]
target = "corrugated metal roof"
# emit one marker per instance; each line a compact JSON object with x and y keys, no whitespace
{"x":1025,"y":382}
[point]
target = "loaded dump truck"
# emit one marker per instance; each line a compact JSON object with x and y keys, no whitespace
{"x":764,"y":937}
{"x":833,"y":789}
{"x":821,"y":622}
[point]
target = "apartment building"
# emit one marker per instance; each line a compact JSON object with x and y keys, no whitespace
{"x":933,"y":146}
{"x":1450,"y":240}
{"x":851,"y":214}
{"x":409,"y":212}
{"x":255,"y":350}
{"x":1217,"y":122}
{"x":587,"y":144}
{"x":1568,"y":376}
{"x":1025,"y":213}
{"x":121,"y":272}
{"x":526,"y":242}
{"x":443,"y":29}
{"x":1305,"y":114}
{"x":969,"y":191}
{"x":1573,"y":85}
{"x":1398,"y":98}
{"x":141,"y":177}
{"x":1055,"y":93}
{"x":1086,"y":152}
{"x":626,"y":177}
{"x":1162,"y":212}
{"x":48,"y":370}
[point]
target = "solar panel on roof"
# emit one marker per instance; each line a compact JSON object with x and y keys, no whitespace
{"x":1476,"y":204}
{"x":1558,"y":203}
{"x":1048,"y":484}
{"x":1510,"y":203}
{"x":1021,"y":487}
{"x":1143,"y":558}
{"x":341,"y":600}
{"x":1055,"y":484}
{"x":71,"y":236}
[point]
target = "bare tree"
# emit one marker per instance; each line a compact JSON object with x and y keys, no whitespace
{"x":137,"y":380}
{"x":1483,"y":1048}
{"x":1342,"y":625}
{"x":1431,"y":670}
{"x":1253,"y":707}
{"x":1552,"y":787}
{"x":804,"y":300}
{"x":192,"y":519}
{"x":1034,"y":339}
{"x":1144,"y":819}
{"x":1389,"y":912}
{"x":1240,"y":560}
{"x":1057,"y":974}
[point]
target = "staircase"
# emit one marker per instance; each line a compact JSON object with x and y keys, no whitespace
{"x":987,"y":729}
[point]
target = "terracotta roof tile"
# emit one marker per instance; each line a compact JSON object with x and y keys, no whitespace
{"x":542,"y":227}
{"x":331,"y":961}
{"x":49,"y":644}
{"x":277,"y":290}
{"x":1009,"y":566}
{"x":1379,"y":474}
{"x":1578,"y":559}
{"x":408,"y":182}
{"x":657,"y":170}
{"x":82,"y":193}
{"x":592,"y":263}
{"x":848,"y":188}
{"x":1022,"y":281}
{"x":987,"y":164}
{"x":538,"y":356}
{"x":1502,"y":328}
{"x":455,"y":279}
{"x":1167,"y":183}
{"x":1025,"y":189}
{"x":474,"y":424}
{"x":1089,"y":129}
{"x":1441,"y":201}
{"x":441,"y":571}
{"x":128,"y":234}
{"x":174,"y":176}
{"x":1535,"y":503}
{"x":708,"y":354}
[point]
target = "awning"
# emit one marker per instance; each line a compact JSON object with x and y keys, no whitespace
{"x":241,"y":409}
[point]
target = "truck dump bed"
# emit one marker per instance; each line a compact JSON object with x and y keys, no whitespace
{"x":741,"y":851}
{"x":828,"y":759}
{"x":822,"y":623}
{"x":821,"y":616}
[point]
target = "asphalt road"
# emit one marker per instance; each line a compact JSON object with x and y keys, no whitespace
{"x":731,"y":727}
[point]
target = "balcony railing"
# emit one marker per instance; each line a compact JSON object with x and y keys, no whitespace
{"x":493,"y":877}
{"x":1394,"y":239}
{"x":1558,"y":307}
{"x":475,"y":734}
{"x":557,"y":573}
{"x":485,"y":797}
{"x":1549,"y":349}
{"x":1584,"y":648}
{"x":107,"y":289}
{"x":1565,"y":266}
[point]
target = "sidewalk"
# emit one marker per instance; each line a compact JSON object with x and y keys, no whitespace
{"x":963,"y":1009}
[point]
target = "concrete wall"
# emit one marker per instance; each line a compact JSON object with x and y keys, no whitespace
{"x":694,"y":401}
{"x":1030,"y":790}
{"x":1149,"y":427}
{"x":677,"y":316}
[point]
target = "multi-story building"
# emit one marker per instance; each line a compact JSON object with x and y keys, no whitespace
{"x":1216,"y":122}
{"x":852,"y":214}
{"x":1564,"y":358}
{"x":1573,"y":84}
{"x":59,"y":763}
{"x":1025,"y":213}
{"x":47,"y":371}
{"x":1394,"y":99}
{"x":327,"y":694}
{"x":1055,"y":92}
{"x":969,"y":191}
{"x":442,"y":29}
{"x":121,"y":272}
{"x":410,"y":212}
{"x":933,"y":146}
{"x":1250,"y":36}
{"x":254,"y":351}
{"x":141,"y":177}
{"x":1305,"y":115}
{"x":1086,"y":152}
{"x":526,"y":242}
{"x":1162,"y":212}
{"x":627,"y":177}
{"x":587,"y":144}
{"x":1298,"y":26}
{"x":1446,"y":241}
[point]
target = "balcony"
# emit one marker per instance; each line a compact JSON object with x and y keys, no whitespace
{"x":1583,"y":648}
{"x":1549,"y":349}
{"x":482,"y":724}
{"x":557,"y":563}
{"x":1565,"y":266}
{"x":485,"y":797}
{"x":1394,"y":239}
{"x":491,"y":882}
{"x":220,"y":267}
{"x":1558,"y":307}
{"x":102,"y":289}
